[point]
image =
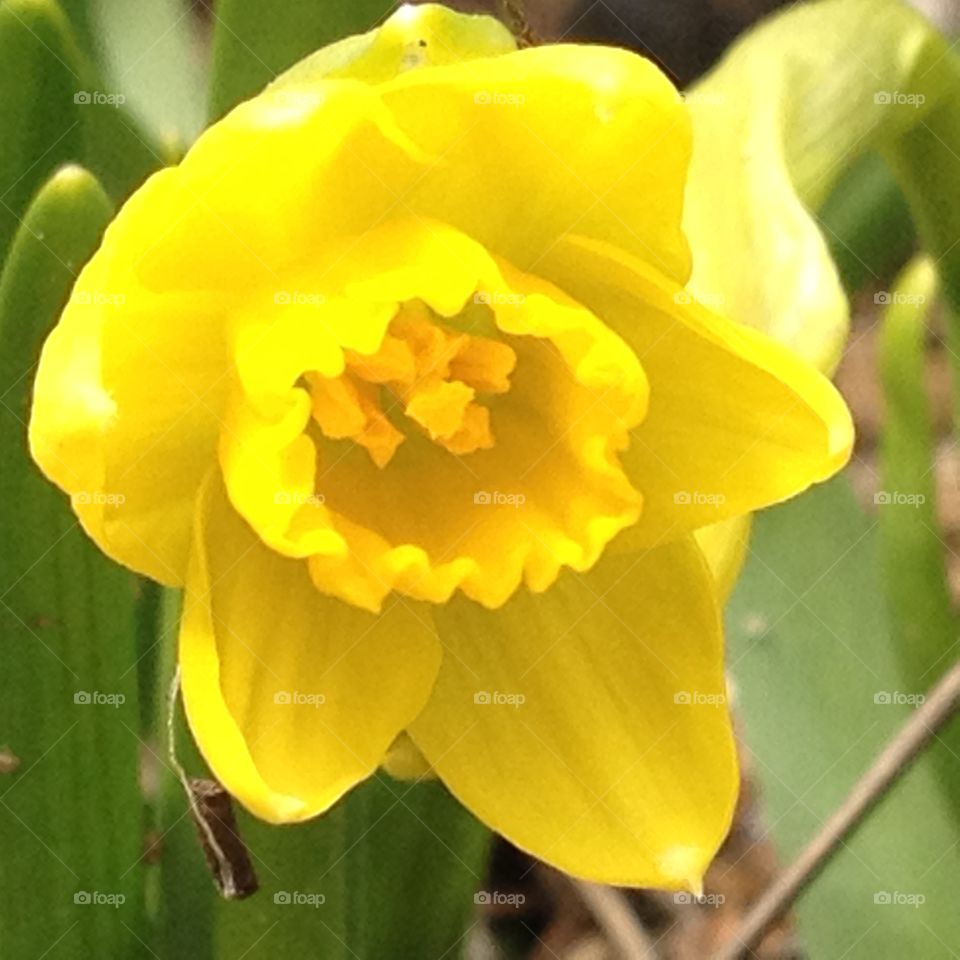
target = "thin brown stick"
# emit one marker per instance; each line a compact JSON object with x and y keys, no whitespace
{"x":892,"y":763}
{"x":212,"y":812}
{"x":615,"y":917}
{"x":515,"y":17}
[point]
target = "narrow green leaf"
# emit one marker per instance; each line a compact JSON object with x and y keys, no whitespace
{"x":148,"y":616}
{"x":255,"y":40}
{"x":916,"y":585}
{"x":301,"y":906}
{"x":391,"y":871}
{"x":915,"y":581}
{"x":866,"y":223}
{"x":56,"y":108}
{"x":927,"y":160}
{"x":820,"y":688}
{"x":38,"y":117}
{"x":71,"y":813}
{"x":416,"y":860}
{"x":184,"y":890}
{"x":788,"y":110}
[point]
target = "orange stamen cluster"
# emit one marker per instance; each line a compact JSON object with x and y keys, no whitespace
{"x":434,"y":372}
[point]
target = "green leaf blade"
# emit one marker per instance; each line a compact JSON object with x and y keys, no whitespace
{"x":791,"y":106}
{"x":255,"y":41}
{"x":820,"y":688}
{"x":71,"y":814}
{"x":39,"y":119}
{"x":915,"y":574}
{"x":390,"y":871}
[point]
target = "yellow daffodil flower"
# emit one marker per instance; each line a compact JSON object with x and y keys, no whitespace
{"x":397,"y":375}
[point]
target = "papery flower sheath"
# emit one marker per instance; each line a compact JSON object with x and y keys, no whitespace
{"x":396,"y":374}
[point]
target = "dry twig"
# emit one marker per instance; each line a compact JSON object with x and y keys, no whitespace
{"x":894,"y":760}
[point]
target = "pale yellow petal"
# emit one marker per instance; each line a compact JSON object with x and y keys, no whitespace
{"x":589,"y":725}
{"x":293,"y":697}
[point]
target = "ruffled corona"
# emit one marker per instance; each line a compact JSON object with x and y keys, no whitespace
{"x":480,"y":392}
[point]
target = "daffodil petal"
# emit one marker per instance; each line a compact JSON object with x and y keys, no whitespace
{"x":589,"y":138}
{"x":405,"y":762}
{"x":618,"y":762}
{"x":293,"y":697}
{"x":725,"y":547}
{"x":128,"y":400}
{"x":428,"y":34}
{"x":736,"y":421}
{"x":280,"y":176}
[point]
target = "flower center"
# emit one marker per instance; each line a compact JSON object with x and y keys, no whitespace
{"x":431,"y":420}
{"x":435,"y":374}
